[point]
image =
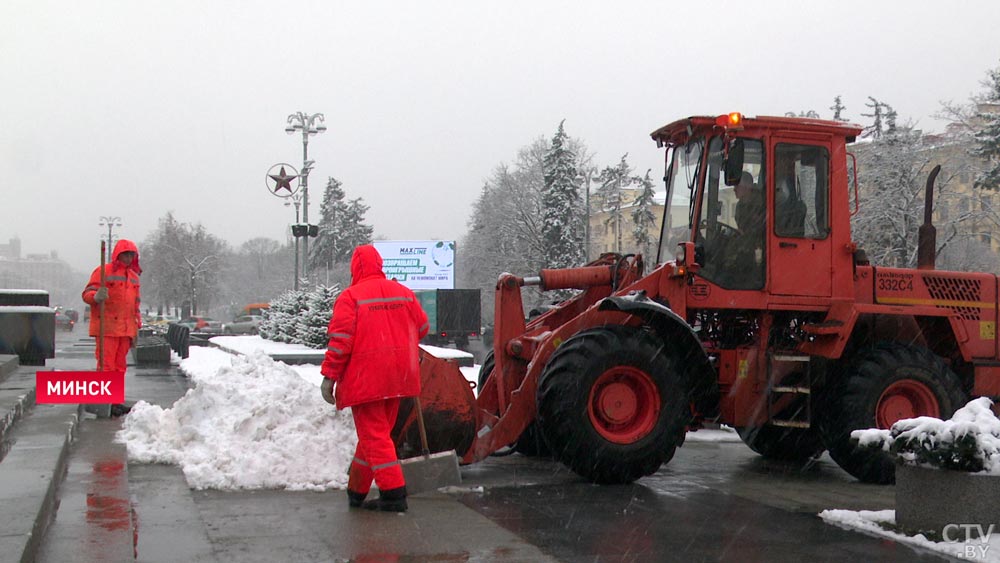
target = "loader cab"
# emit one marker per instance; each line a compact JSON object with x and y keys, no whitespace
{"x":756,"y":202}
{"x":727,"y":217}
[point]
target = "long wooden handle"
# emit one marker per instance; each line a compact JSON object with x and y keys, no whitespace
{"x":100,"y":318}
{"x":423,"y":431}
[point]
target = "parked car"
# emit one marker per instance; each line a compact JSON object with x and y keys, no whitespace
{"x":247,"y":324}
{"x":205,"y":325}
{"x":64,"y":321}
{"x":160,"y":321}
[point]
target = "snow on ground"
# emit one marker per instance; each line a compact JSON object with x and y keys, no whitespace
{"x":722,"y":434}
{"x":249,"y":423}
{"x":868,"y":521}
{"x":252,"y":422}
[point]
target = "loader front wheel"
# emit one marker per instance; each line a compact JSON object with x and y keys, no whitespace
{"x":530,"y":442}
{"x":612,"y":405}
{"x":887,"y":383}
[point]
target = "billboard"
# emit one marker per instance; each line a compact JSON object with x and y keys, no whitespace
{"x":419,"y":264}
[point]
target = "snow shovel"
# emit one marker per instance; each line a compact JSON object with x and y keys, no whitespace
{"x":429,"y":472}
{"x":102,"y":411}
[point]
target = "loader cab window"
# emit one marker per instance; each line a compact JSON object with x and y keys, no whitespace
{"x":801,"y":191}
{"x":729,"y":240}
{"x":683,"y":167}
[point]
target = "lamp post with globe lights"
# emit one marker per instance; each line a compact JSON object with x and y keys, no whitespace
{"x":110,"y":223}
{"x":308,"y":125}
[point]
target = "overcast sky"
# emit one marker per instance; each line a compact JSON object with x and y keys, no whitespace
{"x":135,"y":108}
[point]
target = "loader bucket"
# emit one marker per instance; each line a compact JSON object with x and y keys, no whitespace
{"x":449,"y":408}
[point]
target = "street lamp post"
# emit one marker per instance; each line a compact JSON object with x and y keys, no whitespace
{"x":110,"y":223}
{"x":296,"y":200}
{"x":309,"y":125}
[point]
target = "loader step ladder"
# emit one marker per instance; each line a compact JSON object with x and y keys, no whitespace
{"x":802,"y":390}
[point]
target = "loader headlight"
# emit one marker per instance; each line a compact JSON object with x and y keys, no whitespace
{"x":680,"y":254}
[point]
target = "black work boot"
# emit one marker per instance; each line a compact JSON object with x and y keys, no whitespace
{"x":354,"y":500}
{"x":389,"y":500}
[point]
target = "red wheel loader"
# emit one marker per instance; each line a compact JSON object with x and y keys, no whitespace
{"x":761,"y":313}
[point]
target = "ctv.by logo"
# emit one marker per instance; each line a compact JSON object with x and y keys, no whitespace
{"x":969,"y":534}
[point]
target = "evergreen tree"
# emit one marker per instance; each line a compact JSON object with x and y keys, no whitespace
{"x":355,"y":231}
{"x":643,"y":218}
{"x":281,"y":318}
{"x":561,"y":208}
{"x":875,"y":130}
{"x":328,"y":247}
{"x":613,"y":180}
{"x":314,"y":319}
{"x":838,"y":109}
{"x":987,"y":135}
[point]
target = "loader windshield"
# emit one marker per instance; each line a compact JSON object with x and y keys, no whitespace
{"x":683,"y":166}
{"x":729,"y":240}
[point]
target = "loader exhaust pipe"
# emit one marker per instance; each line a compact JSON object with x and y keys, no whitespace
{"x":927,"y":234}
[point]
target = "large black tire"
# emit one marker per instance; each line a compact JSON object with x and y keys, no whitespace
{"x":884,"y":384}
{"x":781,"y":443}
{"x":612,"y":404}
{"x":530,"y":442}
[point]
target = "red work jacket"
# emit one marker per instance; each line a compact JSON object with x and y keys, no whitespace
{"x":121,"y":309}
{"x":374,"y":333}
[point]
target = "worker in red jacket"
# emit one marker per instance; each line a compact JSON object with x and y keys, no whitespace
{"x":373,"y":359}
{"x":120,"y":296}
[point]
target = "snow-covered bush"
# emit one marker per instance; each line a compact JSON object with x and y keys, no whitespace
{"x":300,"y":317}
{"x":969,"y":441}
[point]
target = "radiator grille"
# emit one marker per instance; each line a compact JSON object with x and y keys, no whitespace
{"x":952,"y":289}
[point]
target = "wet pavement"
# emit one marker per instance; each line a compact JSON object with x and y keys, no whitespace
{"x":713,"y":502}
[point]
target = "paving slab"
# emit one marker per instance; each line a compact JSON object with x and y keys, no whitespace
{"x":94,"y":521}
{"x":29,"y":477}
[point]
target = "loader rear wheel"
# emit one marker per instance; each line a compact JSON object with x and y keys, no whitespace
{"x":887,"y":383}
{"x":612,"y":405}
{"x":530,"y":442}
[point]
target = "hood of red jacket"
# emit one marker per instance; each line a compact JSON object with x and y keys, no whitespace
{"x":125,"y":245}
{"x":365,"y":263}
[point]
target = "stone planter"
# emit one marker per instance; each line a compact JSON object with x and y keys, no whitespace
{"x":931,"y":499}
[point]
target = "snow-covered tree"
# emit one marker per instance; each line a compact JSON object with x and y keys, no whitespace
{"x":562,"y":227}
{"x":341,"y":228}
{"x":505,"y":228}
{"x":892,"y":176}
{"x":987,"y":133}
{"x":643,"y":218}
{"x":328,"y":247}
{"x":280,"y":319}
{"x":313,"y":320}
{"x":876,"y":129}
{"x":183,"y":265}
{"x":613,"y":180}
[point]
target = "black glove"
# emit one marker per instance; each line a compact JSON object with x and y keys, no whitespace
{"x":327,"y":389}
{"x":101,"y":295}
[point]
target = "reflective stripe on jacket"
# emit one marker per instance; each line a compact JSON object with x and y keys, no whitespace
{"x":374,"y":334}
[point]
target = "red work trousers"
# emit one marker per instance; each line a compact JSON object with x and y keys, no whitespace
{"x":375,"y":456}
{"x":115,"y":353}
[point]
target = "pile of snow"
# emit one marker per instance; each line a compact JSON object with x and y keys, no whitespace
{"x":249,"y":422}
{"x":969,"y":441}
{"x":985,"y":549}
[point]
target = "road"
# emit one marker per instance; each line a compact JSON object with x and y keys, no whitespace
{"x":715,"y":501}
